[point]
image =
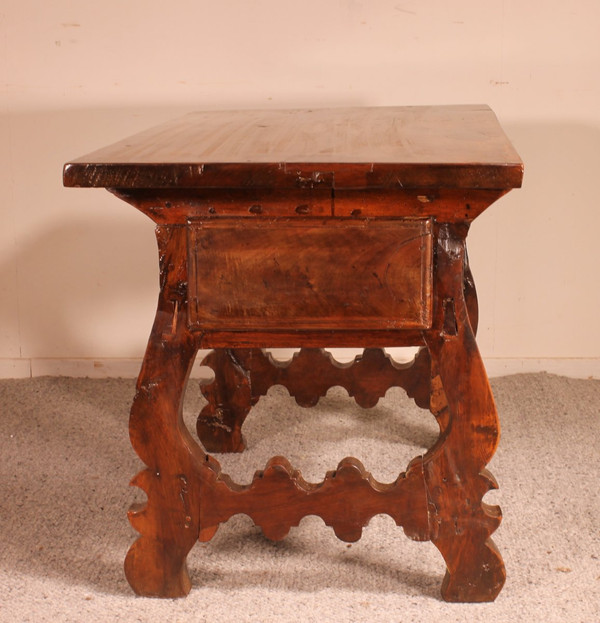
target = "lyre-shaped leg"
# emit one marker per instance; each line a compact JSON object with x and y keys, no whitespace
{"x":169,"y":521}
{"x":455,"y":474}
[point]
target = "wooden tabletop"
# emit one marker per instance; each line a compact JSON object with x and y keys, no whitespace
{"x":377,"y":147}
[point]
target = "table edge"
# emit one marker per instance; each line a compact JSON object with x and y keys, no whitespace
{"x":502,"y":175}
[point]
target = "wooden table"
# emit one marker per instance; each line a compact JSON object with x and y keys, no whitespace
{"x":312,"y":229}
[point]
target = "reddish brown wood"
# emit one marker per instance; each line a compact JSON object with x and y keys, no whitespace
{"x":470,"y":294}
{"x":346,"y":500}
{"x":169,"y":521}
{"x":390,"y":268}
{"x":450,"y":205}
{"x":335,"y":198}
{"x":310,"y":338}
{"x":178,"y":206}
{"x":230,"y":397}
{"x":335,"y":338}
{"x":313,"y":371}
{"x":355,"y":148}
{"x":242,"y":376}
{"x":455,"y":478}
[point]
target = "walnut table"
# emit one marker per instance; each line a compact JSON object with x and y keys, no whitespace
{"x":312,"y":229}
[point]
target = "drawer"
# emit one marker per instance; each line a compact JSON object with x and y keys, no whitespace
{"x":302,"y":274}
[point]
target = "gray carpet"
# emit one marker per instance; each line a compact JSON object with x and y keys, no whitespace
{"x":66,"y":461}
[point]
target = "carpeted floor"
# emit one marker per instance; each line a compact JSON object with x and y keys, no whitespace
{"x":65,"y":462}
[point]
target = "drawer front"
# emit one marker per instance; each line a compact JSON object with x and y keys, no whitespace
{"x":302,"y":274}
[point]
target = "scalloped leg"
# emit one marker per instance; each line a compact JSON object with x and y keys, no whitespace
{"x":155,"y":565}
{"x":454,"y":469}
{"x":169,"y":520}
{"x":456,"y":483}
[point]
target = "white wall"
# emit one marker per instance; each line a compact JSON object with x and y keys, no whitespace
{"x":78,"y":274}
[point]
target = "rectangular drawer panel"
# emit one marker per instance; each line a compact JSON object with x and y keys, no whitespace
{"x":301,"y":274}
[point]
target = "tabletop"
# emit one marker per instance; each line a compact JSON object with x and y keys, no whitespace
{"x":460,"y":146}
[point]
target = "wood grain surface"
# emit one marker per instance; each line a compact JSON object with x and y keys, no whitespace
{"x":377,"y":147}
{"x":248,"y":274}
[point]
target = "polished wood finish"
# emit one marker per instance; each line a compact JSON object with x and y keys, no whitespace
{"x":241,"y":273}
{"x":178,"y":206}
{"x":357,"y":148}
{"x":343,"y":227}
{"x":346,"y":500}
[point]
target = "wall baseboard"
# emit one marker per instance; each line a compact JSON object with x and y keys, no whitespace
{"x":129,"y":368}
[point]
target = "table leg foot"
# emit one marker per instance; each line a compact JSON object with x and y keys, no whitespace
{"x":168,"y":521}
{"x":155,"y":569}
{"x":475,"y":573}
{"x":461,"y":523}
